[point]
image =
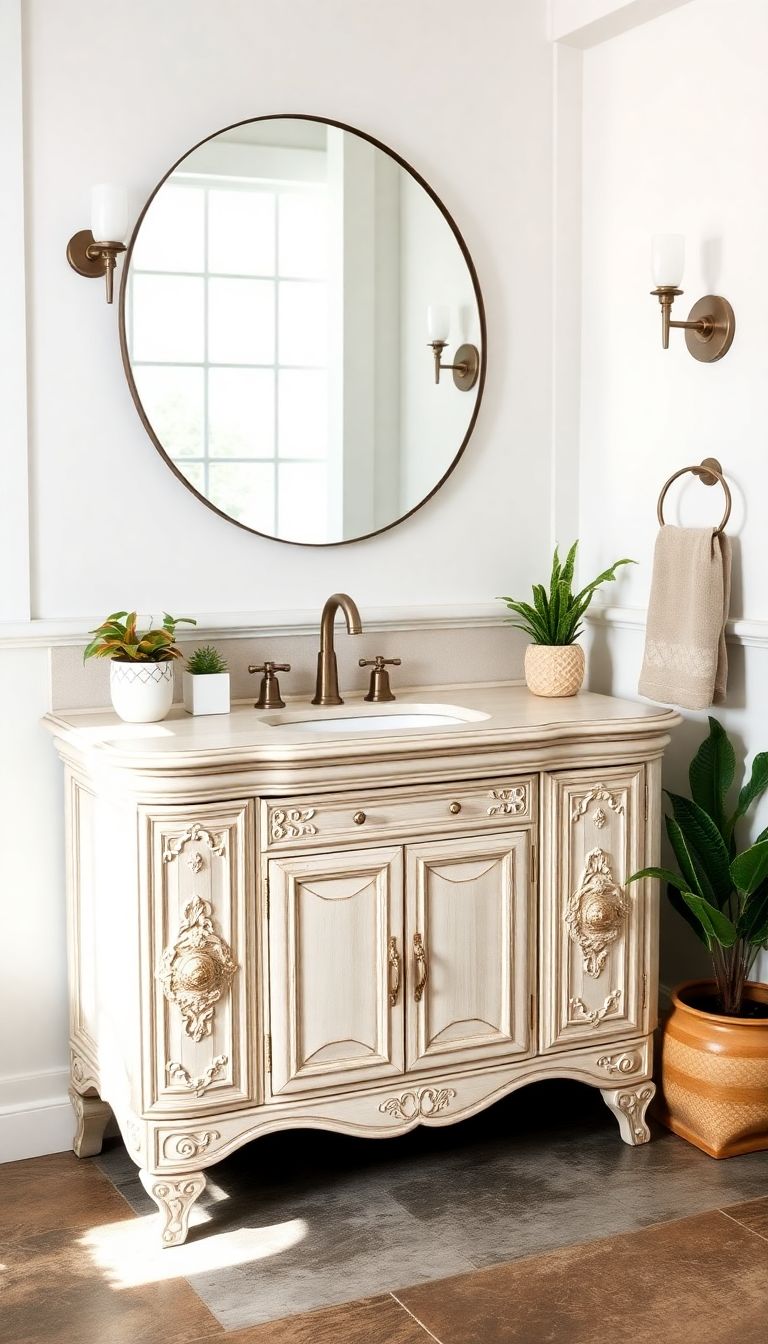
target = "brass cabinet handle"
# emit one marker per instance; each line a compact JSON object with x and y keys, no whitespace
{"x":455,"y":808}
{"x":359,"y":818}
{"x":421,"y":957}
{"x":394,"y":961}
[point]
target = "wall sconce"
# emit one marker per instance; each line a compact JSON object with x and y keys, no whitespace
{"x":467,"y":364}
{"x":711,"y":321}
{"x":86,"y":252}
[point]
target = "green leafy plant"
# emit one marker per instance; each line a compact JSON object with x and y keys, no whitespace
{"x":721,"y":892}
{"x":118,"y":637}
{"x":206,"y":661}
{"x":554,"y":617}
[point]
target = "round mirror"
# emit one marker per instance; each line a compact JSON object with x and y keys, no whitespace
{"x":302,"y":330}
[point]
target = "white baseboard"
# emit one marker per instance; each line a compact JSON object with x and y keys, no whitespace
{"x":35,"y":1132}
{"x":35,"y":1115}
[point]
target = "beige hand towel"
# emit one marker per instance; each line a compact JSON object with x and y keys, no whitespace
{"x":685,"y":659}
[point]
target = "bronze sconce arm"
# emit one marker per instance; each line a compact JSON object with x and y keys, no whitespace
{"x":93,"y":259}
{"x":710,"y":326}
{"x":465,"y":368}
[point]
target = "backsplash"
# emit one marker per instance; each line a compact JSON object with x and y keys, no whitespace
{"x":429,"y":657}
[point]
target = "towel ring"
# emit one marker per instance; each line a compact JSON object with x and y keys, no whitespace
{"x":709,"y":472}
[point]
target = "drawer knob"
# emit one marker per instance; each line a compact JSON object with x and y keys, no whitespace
{"x":454,"y":808}
{"x":359,"y":818}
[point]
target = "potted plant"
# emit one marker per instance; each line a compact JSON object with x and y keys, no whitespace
{"x":141,"y":674}
{"x":714,"y":1058}
{"x":554,"y":662}
{"x":206,"y":682}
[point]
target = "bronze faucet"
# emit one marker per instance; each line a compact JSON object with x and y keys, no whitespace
{"x":327,"y":687}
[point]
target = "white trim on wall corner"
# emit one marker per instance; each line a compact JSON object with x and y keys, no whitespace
{"x":751,"y":634}
{"x":35,"y":1115}
{"x":252,"y":624}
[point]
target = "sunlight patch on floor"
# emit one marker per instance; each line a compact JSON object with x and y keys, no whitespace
{"x":129,"y":1253}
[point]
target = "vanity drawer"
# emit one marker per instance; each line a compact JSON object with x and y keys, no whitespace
{"x":488,"y":804}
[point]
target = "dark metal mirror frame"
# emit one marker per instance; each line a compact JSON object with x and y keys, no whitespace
{"x":342,"y":126}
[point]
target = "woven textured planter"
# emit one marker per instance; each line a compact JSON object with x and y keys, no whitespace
{"x":714,"y":1074}
{"x":554,"y":669}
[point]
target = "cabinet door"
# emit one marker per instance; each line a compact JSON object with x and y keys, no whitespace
{"x":469,"y":959}
{"x":593,"y":973}
{"x":200,"y":951}
{"x":335,"y":969}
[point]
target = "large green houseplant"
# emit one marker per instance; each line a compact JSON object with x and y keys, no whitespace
{"x":554,"y":662}
{"x":715,"y":1041}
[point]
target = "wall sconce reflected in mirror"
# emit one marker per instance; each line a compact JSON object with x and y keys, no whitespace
{"x":466,"y":366}
{"x":93,"y":252}
{"x":711,"y":322}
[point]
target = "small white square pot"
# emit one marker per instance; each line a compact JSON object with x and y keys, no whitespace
{"x":206,"y":693}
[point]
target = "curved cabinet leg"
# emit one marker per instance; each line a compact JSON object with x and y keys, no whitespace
{"x":629,"y":1105}
{"x":91,"y":1116}
{"x":174,"y":1197}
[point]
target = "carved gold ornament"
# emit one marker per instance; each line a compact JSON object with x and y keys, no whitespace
{"x":197,"y":969}
{"x":197,"y":1085}
{"x":424,"y":1102}
{"x":597,"y":794}
{"x":291,"y":823}
{"x":197,"y":834}
{"x":596,"y":912}
{"x":508,"y":801}
{"x":628,"y":1062}
{"x":581,"y":1013}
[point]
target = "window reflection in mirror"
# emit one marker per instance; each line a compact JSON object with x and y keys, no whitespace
{"x":274,"y":325}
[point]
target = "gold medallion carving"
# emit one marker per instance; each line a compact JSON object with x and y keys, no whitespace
{"x":197,"y":969}
{"x":596,"y":912}
{"x":424,"y":1102}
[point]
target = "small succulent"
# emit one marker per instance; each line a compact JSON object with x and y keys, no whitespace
{"x":118,"y":637}
{"x":206,"y":661}
{"x":555,"y":616}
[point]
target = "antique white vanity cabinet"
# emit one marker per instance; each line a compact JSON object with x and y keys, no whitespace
{"x":361,"y":931}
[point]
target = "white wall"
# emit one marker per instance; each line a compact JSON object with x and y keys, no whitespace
{"x":121,"y":97}
{"x":674,"y":119}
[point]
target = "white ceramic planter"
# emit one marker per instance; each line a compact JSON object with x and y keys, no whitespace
{"x":554,"y":669}
{"x":141,"y":692}
{"x":206,"y":692}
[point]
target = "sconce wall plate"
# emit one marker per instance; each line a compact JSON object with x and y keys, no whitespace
{"x":716,"y":338}
{"x":93,"y":259}
{"x":466,"y":366}
{"x":710,"y":326}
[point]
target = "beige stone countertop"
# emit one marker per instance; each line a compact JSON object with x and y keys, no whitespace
{"x":499,"y":714}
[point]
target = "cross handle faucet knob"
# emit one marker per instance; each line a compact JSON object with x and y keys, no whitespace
{"x":269,"y":691}
{"x":379,"y":689}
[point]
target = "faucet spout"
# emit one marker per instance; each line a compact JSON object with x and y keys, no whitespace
{"x":327,"y":685}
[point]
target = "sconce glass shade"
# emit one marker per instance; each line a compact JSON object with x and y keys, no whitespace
{"x":667,"y":259}
{"x":109,"y":213}
{"x":438,"y":322}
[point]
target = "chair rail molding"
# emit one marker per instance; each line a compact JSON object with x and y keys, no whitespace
{"x":740,"y":630}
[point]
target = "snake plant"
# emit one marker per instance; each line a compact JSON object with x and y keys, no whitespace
{"x":555,"y":616}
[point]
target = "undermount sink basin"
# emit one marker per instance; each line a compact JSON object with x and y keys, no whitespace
{"x":385,"y":721}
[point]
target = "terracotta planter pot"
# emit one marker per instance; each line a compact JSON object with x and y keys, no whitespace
{"x":554,"y":669}
{"x":714,"y":1074}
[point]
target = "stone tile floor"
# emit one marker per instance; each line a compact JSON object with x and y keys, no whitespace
{"x":532,"y":1222}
